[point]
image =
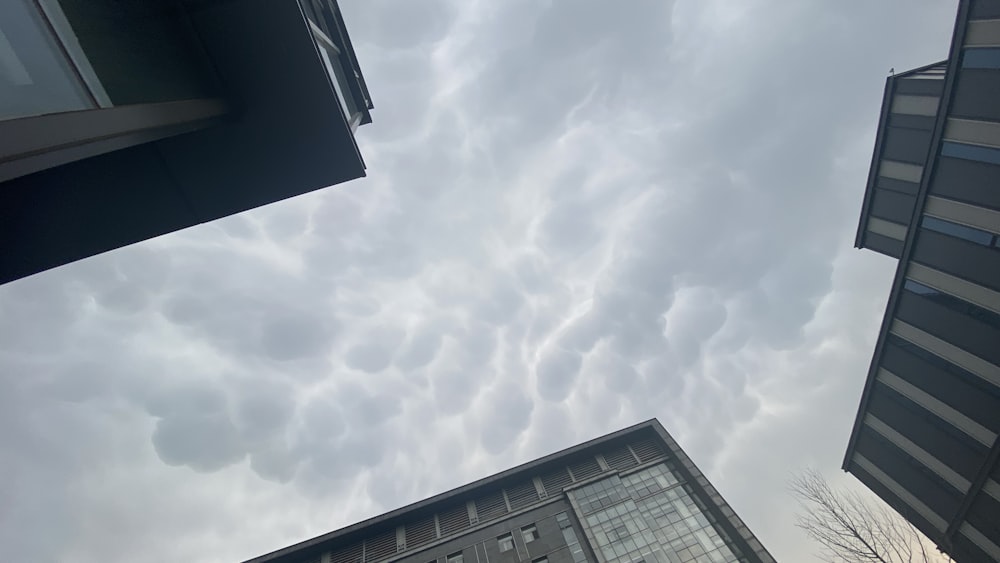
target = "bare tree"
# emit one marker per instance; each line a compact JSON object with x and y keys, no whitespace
{"x":854,"y":530}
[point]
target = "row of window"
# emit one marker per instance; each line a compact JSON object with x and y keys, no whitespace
{"x":954,"y":303}
{"x":941,"y":370}
{"x":649,"y":481}
{"x":684,"y":523}
{"x":981,"y":58}
{"x":505,"y":542}
{"x":600,"y":494}
{"x":457,"y":558}
{"x":971,"y":234}
{"x":970,"y":152}
{"x":575,"y":549}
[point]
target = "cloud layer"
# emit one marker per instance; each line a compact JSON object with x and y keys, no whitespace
{"x":576,"y":217}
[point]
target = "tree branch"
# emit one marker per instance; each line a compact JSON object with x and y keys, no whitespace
{"x":851,"y":529}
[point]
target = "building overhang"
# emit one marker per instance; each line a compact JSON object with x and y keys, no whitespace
{"x":289,"y":135}
{"x":285,"y":134}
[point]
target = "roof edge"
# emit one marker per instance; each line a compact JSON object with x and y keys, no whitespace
{"x":880,"y":132}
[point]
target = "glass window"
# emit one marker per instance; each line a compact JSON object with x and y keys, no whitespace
{"x":455,"y":558}
{"x":563,"y":520}
{"x":540,"y":560}
{"x":145,"y":53}
{"x":954,"y":303}
{"x":970,"y":152}
{"x":618,"y":533}
{"x":919,"y":288}
{"x":330,"y":54}
{"x":900,"y":170}
{"x":529,"y":533}
{"x":36,"y":77}
{"x":954,"y":229}
{"x":981,"y":58}
{"x":506,"y":542}
{"x":914,"y":105}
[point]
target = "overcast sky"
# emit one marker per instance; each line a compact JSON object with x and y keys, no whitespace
{"x":578,"y":215}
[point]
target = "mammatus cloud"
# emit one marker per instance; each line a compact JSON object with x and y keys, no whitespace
{"x":576,"y":217}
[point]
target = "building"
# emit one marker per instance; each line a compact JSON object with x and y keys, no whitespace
{"x":627,"y":497}
{"x":122,"y":121}
{"x":925,"y":437}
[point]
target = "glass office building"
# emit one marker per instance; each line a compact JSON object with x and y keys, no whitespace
{"x":629,"y":497}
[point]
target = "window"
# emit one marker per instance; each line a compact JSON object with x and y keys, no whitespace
{"x":330,"y":53}
{"x":961,"y":231}
{"x":970,"y":152}
{"x":540,"y":560}
{"x":619,"y":533}
{"x":914,"y":105}
{"x":455,"y":558}
{"x":900,"y":171}
{"x":954,"y":303}
{"x":981,"y":58}
{"x":529,"y":533}
{"x":506,"y":542}
{"x":562,"y":520}
{"x":36,"y":75}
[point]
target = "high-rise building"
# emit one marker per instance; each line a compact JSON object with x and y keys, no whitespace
{"x":925,"y":437}
{"x":122,"y":121}
{"x":629,"y":497}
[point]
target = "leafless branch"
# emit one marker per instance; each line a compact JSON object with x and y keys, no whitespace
{"x":851,"y":529}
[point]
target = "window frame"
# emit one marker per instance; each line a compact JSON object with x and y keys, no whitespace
{"x":970,"y":151}
{"x":621,"y":533}
{"x":529,"y":533}
{"x":502,"y":539}
{"x":456,"y":557}
{"x":330,"y":54}
{"x":981,"y":58}
{"x":957,"y":230}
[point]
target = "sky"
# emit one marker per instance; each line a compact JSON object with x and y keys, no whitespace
{"x":578,"y":215}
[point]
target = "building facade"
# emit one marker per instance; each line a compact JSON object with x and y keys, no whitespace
{"x":122,"y":121}
{"x":629,"y":497}
{"x":925,"y":437}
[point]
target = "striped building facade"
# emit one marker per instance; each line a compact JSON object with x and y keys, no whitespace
{"x":926,"y":434}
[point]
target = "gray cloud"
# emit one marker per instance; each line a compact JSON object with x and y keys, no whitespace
{"x":420,"y":349}
{"x":203,"y":442}
{"x":295,"y":336}
{"x":557,"y":371}
{"x":507,"y":414}
{"x":262,"y":410}
{"x":375,"y":351}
